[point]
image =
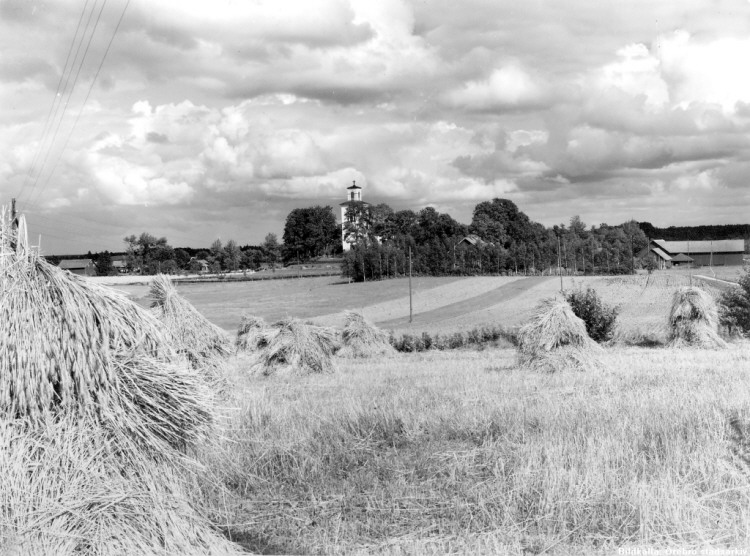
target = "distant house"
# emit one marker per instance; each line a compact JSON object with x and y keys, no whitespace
{"x":700,"y":253}
{"x":82,"y":267}
{"x":120,"y":263}
{"x":199,"y":265}
{"x":473,"y":239}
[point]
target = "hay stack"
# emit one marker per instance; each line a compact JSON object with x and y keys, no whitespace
{"x":252,"y":334}
{"x":300,"y":348}
{"x":360,"y":338}
{"x":694,"y":320}
{"x":555,"y":339}
{"x":202,"y":342}
{"x":96,"y":412}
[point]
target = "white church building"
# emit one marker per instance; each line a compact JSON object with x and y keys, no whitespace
{"x":353,"y":196}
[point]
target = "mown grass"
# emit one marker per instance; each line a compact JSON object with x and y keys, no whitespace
{"x":460,"y":452}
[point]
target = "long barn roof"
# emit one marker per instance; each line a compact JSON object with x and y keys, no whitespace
{"x":720,"y":246}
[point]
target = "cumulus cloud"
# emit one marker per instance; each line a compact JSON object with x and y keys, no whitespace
{"x":252,"y":108}
{"x":507,"y":87}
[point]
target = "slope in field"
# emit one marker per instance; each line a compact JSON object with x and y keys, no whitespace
{"x":481,"y":300}
{"x":426,"y":300}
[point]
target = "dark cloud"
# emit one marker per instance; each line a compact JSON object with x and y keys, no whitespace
{"x":154,"y":137}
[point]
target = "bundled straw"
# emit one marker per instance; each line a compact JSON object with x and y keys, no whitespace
{"x":72,"y":488}
{"x":96,"y":412}
{"x":252,"y":334}
{"x":360,"y":338}
{"x":694,"y":320}
{"x":299,"y":347}
{"x":192,"y":334}
{"x":555,"y":339}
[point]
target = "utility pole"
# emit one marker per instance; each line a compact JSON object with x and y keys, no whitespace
{"x":410,"y":300}
{"x":13,"y":224}
{"x":559,"y":270}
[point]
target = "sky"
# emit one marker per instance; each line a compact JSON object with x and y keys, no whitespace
{"x":200,"y":120}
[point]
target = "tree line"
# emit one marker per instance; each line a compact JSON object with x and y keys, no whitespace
{"x":499,"y":239}
{"x":146,"y":254}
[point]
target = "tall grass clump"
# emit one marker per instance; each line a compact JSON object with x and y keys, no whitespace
{"x":360,"y":338}
{"x":555,"y":339}
{"x":300,"y":348}
{"x":694,"y":320}
{"x":192,"y":334}
{"x":98,"y":413}
{"x":599,"y":318}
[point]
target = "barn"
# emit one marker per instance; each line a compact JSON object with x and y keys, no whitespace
{"x":723,"y":252}
{"x":82,"y":267}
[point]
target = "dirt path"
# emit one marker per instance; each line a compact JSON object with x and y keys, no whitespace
{"x":477,"y":303}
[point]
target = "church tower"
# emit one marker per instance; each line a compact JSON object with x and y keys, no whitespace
{"x":353,"y":197}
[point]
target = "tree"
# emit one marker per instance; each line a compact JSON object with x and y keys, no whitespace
{"x":146,"y":252}
{"x":358,"y":225}
{"x":216,"y":257}
{"x":500,"y":222}
{"x":181,"y":258}
{"x":232,"y":255}
{"x":272,"y":248}
{"x":310,"y":232}
{"x":103,"y":264}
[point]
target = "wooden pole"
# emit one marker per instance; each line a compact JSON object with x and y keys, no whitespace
{"x":559,"y":270}
{"x":411,"y":315}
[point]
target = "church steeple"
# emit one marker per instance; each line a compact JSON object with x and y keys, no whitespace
{"x":353,"y":197}
{"x":355,"y":192}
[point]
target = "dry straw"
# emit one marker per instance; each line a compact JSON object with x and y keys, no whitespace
{"x":202,"y":342}
{"x":360,"y":338}
{"x":555,"y":339}
{"x":252,"y":334}
{"x":694,"y":320}
{"x":97,"y":412}
{"x":299,"y":347}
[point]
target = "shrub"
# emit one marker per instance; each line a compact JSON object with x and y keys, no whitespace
{"x":734,"y":308}
{"x":598,"y":317}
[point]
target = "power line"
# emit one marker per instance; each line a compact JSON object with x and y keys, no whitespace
{"x":85,"y":100}
{"x":43,"y":135}
{"x":75,"y":81}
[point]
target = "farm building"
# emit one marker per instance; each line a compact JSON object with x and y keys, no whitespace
{"x":473,"y":239}
{"x":120,"y":263}
{"x":699,"y":253}
{"x":82,"y":267}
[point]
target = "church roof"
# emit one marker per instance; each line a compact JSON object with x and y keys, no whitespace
{"x":354,"y":186}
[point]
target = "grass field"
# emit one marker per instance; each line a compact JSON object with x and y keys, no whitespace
{"x":462,"y":452}
{"x":440,"y":304}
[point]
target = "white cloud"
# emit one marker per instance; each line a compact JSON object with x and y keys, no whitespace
{"x":710,"y":70}
{"x":506,"y":87}
{"x":637,"y":73}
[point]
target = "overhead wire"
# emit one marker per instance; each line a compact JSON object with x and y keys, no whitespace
{"x":83,"y":105}
{"x":72,"y":87}
{"x":55,"y":100}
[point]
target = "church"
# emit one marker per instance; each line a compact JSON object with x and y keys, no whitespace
{"x":353,"y":198}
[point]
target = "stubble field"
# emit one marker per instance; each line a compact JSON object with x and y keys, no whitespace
{"x":461,"y":451}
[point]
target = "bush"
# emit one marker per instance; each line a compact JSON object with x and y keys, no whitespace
{"x":599,"y":318}
{"x":734,"y":308}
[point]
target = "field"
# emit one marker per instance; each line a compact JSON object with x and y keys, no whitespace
{"x":461,"y":451}
{"x":439,"y":304}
